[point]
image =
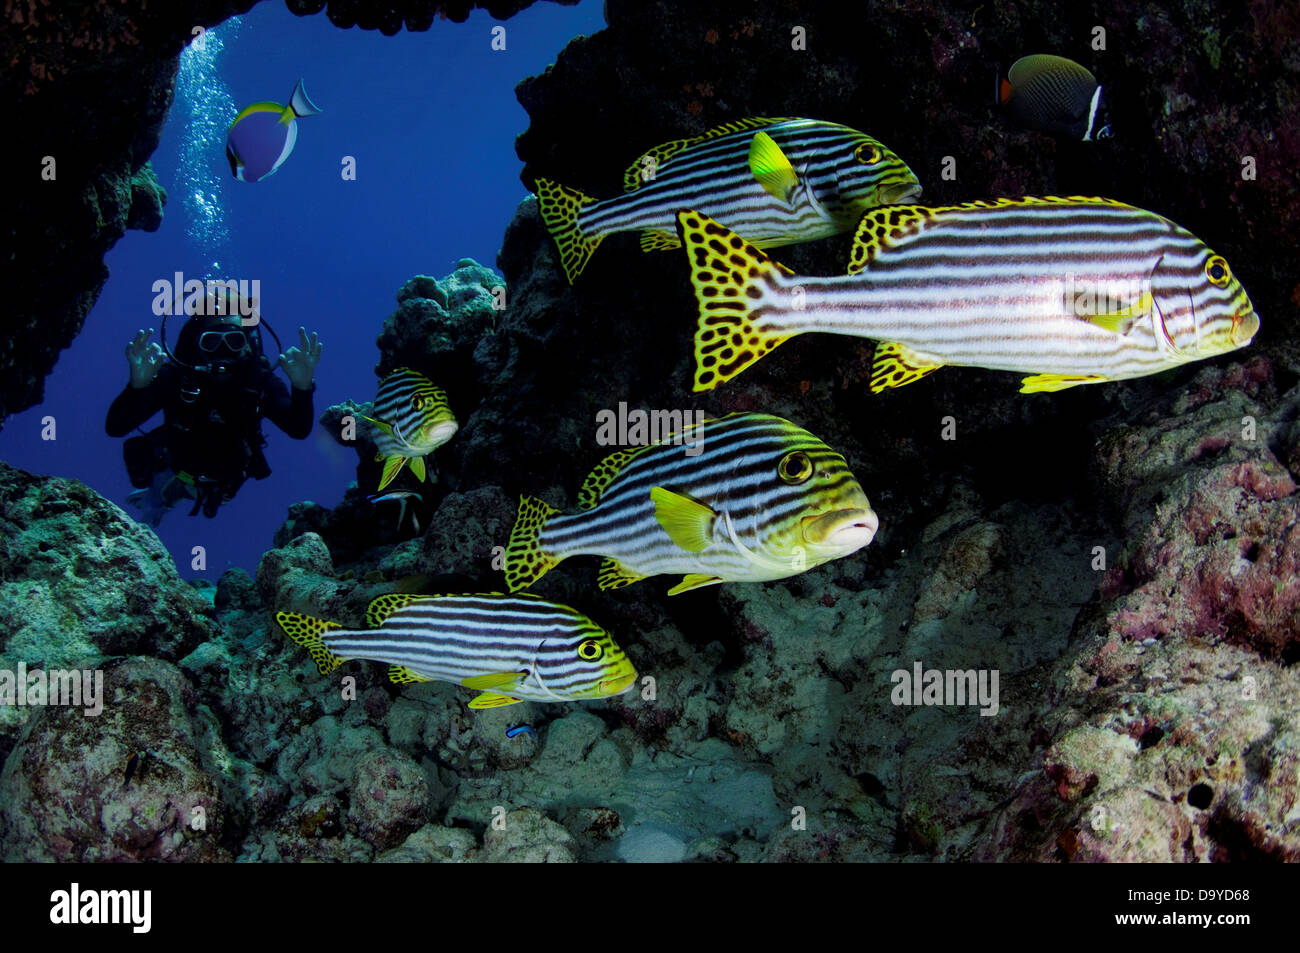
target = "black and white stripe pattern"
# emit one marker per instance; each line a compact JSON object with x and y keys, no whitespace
{"x":416,"y":410}
{"x":992,"y":285}
{"x":757,"y":534}
{"x":452,"y":638}
{"x":714,"y":176}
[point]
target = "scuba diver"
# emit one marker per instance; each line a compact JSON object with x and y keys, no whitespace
{"x":213,"y":390}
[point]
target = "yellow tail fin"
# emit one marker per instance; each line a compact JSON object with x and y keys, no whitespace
{"x":526,"y":562}
{"x":730,"y":277}
{"x":560,"y":206}
{"x":307,"y":632}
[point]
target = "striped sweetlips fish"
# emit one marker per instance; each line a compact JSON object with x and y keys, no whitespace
{"x":413,"y":418}
{"x":775,"y":181}
{"x":761,"y":499}
{"x":1075,"y":290}
{"x":512,"y":648}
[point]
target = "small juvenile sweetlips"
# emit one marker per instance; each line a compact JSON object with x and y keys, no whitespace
{"x":1057,"y":95}
{"x":764,"y":499}
{"x":1078,"y":290}
{"x":775,"y":181}
{"x":511,"y":648}
{"x":413,"y":418}
{"x":263,"y":134}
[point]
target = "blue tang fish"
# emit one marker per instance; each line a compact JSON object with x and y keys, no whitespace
{"x":263,"y":135}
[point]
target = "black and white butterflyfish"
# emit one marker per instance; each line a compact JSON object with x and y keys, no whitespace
{"x":1057,"y":95}
{"x":413,"y":419}
{"x":758,"y":498}
{"x":1069,"y":290}
{"x":510,"y":648}
{"x":774,"y":181}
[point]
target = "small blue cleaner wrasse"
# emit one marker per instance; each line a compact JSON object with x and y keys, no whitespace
{"x":1057,"y":95}
{"x":263,"y":135}
{"x":510,"y":648}
{"x":413,"y":419}
{"x":774,"y":181}
{"x":1070,"y":290}
{"x":763,"y":499}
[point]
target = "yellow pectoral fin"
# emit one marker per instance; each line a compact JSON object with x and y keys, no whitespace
{"x":418,"y":468}
{"x":391,"y":468}
{"x":688,"y":524}
{"x":385,"y":427}
{"x":771,"y":167}
{"x":491,"y":680}
{"x":694,"y":580}
{"x":897,"y":364}
{"x":1122,"y":322}
{"x":493,"y":700}
{"x":1044,"y":383}
{"x":405,"y":676}
{"x":652,"y":240}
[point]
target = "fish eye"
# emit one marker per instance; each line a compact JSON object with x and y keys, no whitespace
{"x":867,"y":153}
{"x":795,"y":467}
{"x":590,"y":650}
{"x":417,"y":402}
{"x":1216,"y":269}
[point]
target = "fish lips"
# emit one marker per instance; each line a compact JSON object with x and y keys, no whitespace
{"x":617,"y":686}
{"x":442,"y":431}
{"x":844,"y":530}
{"x":900,"y":193}
{"x":1245,"y":327}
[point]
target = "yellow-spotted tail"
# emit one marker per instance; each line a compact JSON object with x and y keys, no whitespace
{"x":526,"y":561}
{"x":560,"y":206}
{"x":307,"y":632}
{"x":730,"y":277}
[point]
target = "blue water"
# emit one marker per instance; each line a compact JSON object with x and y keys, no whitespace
{"x":430,"y":119}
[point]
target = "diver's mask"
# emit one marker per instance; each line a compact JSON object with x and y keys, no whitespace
{"x":224,"y":347}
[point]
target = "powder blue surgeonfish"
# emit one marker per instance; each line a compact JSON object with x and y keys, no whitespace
{"x":263,"y":135}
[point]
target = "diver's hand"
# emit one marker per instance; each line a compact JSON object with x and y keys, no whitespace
{"x":144,"y":358}
{"x":299,"y":363}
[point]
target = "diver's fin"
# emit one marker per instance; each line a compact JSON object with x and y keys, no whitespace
{"x":526,"y":562}
{"x":652,"y":240}
{"x":642,"y":171}
{"x":772,"y":169}
{"x":614,"y":575}
{"x":1046,"y":383}
{"x":688,"y":524}
{"x":392,"y":466}
{"x":726,"y":338}
{"x":405,"y":676}
{"x":493,"y":700}
{"x":560,"y":206}
{"x":307,"y":632}
{"x":418,"y":468}
{"x":694,"y":580}
{"x":897,"y":364}
{"x":300,"y":104}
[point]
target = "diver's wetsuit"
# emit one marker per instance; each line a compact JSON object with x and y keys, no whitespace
{"x":217,"y":434}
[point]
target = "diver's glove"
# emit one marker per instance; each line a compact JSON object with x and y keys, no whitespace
{"x":144,"y":358}
{"x":299,"y":363}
